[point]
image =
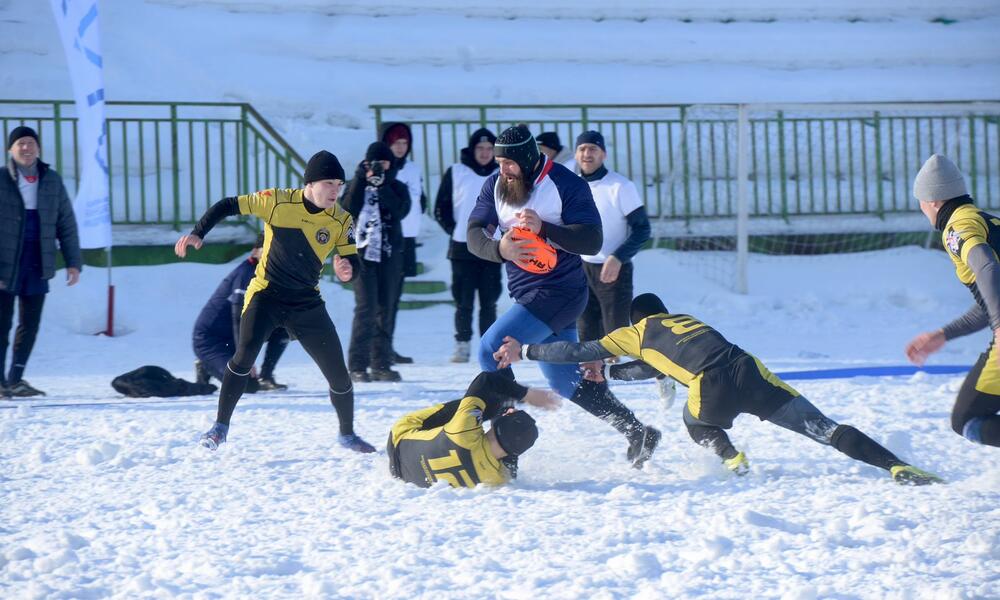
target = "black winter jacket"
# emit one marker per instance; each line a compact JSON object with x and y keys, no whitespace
{"x":55,"y":213}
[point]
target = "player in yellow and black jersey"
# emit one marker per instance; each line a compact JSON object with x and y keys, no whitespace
{"x":302,"y":227}
{"x":723,"y":382}
{"x":446,"y":442}
{"x":971,"y":237}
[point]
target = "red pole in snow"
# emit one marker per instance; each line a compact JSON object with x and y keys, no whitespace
{"x":110,"y":331}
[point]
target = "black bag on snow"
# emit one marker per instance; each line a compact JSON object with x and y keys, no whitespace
{"x":153,"y":381}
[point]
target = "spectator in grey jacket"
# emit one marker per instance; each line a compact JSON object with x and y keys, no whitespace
{"x":35,"y":213}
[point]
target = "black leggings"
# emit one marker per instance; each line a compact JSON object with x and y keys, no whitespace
{"x":978,"y":408}
{"x":29,"y":318}
{"x":304,"y":315}
{"x":799,"y":415}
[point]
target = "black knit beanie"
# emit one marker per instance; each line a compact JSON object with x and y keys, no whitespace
{"x":481,"y":135}
{"x":20,"y":132}
{"x":549,"y":139}
{"x":517,"y":144}
{"x":516,"y":432}
{"x":645,"y":305}
{"x":323,"y":165}
{"x":379,"y":151}
{"x":591,"y":137}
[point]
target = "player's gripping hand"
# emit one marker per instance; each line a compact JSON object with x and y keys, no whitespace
{"x":509,"y":353}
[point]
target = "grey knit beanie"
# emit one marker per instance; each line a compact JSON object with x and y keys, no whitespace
{"x":938,"y":179}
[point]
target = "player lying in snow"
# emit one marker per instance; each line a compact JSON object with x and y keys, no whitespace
{"x":723,"y":381}
{"x":446,"y":442}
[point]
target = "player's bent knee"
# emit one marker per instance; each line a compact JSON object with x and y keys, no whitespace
{"x":959,"y":419}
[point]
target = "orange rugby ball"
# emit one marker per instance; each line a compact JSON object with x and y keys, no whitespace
{"x":543,"y":255}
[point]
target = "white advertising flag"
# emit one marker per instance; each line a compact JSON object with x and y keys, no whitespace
{"x":78,"y":27}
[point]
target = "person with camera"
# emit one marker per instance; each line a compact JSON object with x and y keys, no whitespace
{"x":377,"y":202}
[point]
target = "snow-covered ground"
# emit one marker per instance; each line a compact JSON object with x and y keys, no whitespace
{"x":107,"y":498}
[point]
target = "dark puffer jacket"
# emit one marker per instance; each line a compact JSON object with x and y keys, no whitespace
{"x":55,"y":212}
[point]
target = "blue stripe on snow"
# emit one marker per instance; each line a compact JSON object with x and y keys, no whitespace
{"x":888,"y":371}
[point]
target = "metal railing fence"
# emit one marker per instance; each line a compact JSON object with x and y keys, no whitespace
{"x":820,"y":159}
{"x":168,"y":161}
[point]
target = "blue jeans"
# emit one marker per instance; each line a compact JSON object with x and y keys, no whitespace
{"x":520,"y":324}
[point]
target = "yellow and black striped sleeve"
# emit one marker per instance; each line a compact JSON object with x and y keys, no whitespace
{"x":345,"y":243}
{"x":259,"y":204}
{"x":466,"y":427}
{"x":624,"y":341}
{"x":412,"y":422}
{"x":963,"y":234}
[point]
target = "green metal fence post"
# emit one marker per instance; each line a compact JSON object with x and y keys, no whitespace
{"x":378,"y":119}
{"x":972,"y":155}
{"x":57,"y":117}
{"x":878,"y":168}
{"x":482,"y":117}
{"x":781,"y":165}
{"x":584,"y":118}
{"x":288,"y":167}
{"x":175,"y":157}
{"x":686,"y":162}
{"x":245,"y":151}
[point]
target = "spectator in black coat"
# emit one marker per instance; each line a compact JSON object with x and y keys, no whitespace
{"x":377,"y":202}
{"x":35,"y":214}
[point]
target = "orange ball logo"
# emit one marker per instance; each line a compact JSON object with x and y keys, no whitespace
{"x":543,"y":255}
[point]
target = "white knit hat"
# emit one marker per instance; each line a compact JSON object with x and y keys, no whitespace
{"x":938,"y":179}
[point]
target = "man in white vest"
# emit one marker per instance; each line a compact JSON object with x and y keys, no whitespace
{"x":399,"y":138}
{"x":626,"y":229}
{"x":460,"y":186}
{"x":552,"y":148}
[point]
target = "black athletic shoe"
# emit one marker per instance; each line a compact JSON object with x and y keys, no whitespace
{"x":360,"y":377}
{"x":4,"y":392}
{"x":399,"y":359}
{"x":268,"y":384}
{"x":201,"y":372}
{"x":641,"y":444}
{"x":23,"y":389}
{"x":385,"y":375}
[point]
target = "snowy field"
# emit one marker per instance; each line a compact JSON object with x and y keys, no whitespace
{"x":104,"y":497}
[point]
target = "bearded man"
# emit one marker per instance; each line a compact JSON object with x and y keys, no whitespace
{"x":534,"y":193}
